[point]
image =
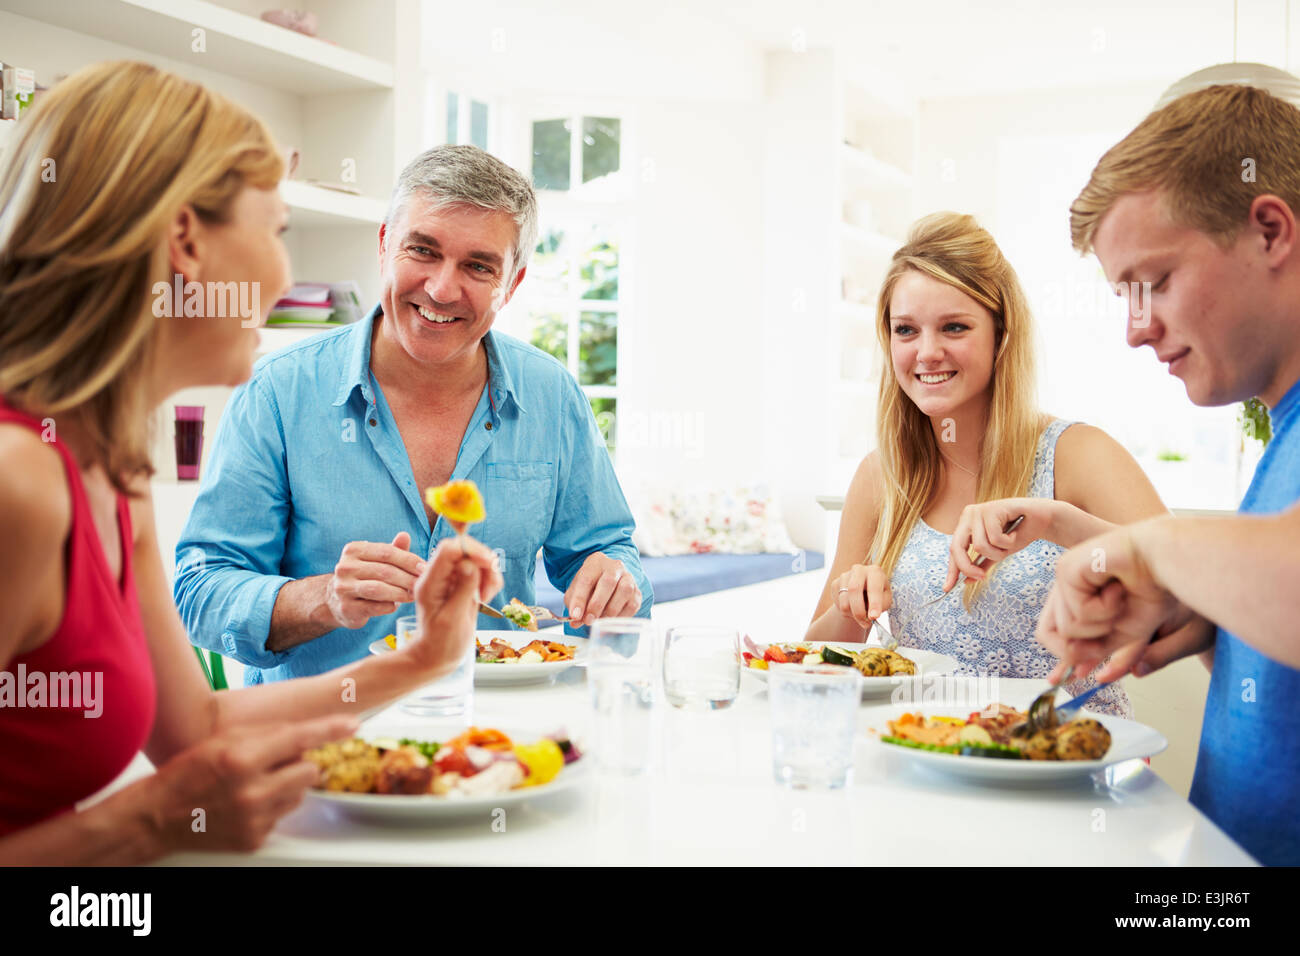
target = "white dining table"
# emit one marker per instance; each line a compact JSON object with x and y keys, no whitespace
{"x":709,"y":798}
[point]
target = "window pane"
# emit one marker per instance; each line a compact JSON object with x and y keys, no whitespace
{"x":478,"y":124}
{"x":605,"y":410}
{"x":599,"y":270}
{"x":551,"y":334}
{"x":551,"y":154}
{"x":548,"y":272}
{"x":597,"y":348}
{"x":600,"y":142}
{"x":453,"y":116}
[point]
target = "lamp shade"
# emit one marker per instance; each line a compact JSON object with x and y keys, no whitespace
{"x":1268,"y":78}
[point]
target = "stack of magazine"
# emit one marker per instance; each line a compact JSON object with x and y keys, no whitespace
{"x":318,"y":305}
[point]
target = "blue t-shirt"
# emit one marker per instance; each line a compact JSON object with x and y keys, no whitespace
{"x":1248,"y":769}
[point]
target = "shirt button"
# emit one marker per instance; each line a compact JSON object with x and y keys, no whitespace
{"x":373,"y":422}
{"x":488,"y":426}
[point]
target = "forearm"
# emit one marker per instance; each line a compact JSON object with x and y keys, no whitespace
{"x":120,"y":831}
{"x":358,"y":688}
{"x":1239,"y":572}
{"x":833,"y":627}
{"x":301,"y":613}
{"x":1070,"y":525}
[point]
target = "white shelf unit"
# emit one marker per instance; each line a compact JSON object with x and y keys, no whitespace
{"x":875,"y":138}
{"x":339,"y":104}
{"x":229,"y":42}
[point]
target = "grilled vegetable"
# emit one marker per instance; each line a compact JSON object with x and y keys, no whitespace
{"x":835,"y":655}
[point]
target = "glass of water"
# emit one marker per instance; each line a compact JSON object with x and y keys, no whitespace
{"x":621,"y":664}
{"x":451,"y":696}
{"x":701,"y":667}
{"x":814,"y":722}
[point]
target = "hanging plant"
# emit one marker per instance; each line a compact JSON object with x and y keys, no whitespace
{"x":1255,"y":422}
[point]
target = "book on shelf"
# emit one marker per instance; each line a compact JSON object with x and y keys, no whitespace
{"x":318,"y":305}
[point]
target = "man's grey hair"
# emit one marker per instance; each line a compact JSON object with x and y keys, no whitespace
{"x":466,"y":175}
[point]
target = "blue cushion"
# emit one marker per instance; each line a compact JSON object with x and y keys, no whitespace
{"x":689,"y":575}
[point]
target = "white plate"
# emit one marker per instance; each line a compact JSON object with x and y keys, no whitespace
{"x":928,"y":664}
{"x":426,"y":808}
{"x":1130,"y":740}
{"x":497,"y":675}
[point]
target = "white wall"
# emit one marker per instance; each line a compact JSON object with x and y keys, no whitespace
{"x":1016,"y":162}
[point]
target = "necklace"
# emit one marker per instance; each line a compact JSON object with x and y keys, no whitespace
{"x":955,"y":465}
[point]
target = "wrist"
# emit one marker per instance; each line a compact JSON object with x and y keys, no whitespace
{"x":133,"y":819}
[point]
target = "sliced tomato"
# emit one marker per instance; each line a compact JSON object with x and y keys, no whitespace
{"x":454,"y":760}
{"x":775,"y":655}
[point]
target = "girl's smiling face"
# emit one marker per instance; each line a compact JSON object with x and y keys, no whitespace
{"x":941,"y":344}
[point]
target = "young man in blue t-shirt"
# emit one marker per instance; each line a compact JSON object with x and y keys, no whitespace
{"x":1200,"y":201}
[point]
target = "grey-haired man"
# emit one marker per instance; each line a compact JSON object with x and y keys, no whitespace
{"x":310,"y":526}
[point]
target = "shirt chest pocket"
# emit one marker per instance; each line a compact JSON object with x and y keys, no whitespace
{"x":519,"y":497}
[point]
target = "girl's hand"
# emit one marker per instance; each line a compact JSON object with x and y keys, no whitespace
{"x":980,"y":527}
{"x":461,"y":573}
{"x":862,"y":593}
{"x":228,"y":792}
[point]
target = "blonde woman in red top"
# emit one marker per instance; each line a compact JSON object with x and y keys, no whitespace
{"x":125,"y":176}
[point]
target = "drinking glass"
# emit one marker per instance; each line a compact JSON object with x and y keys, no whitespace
{"x":701,"y":667}
{"x":189,"y":441}
{"x":814,"y":722}
{"x":450,"y":696}
{"x":621,"y":665}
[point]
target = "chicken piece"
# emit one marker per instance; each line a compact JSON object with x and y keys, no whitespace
{"x":404,"y":770}
{"x":898,"y":664}
{"x":1083,"y":739}
{"x":1041,"y":746}
{"x":873,"y":662}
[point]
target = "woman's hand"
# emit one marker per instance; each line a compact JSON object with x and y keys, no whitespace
{"x":1104,"y":600}
{"x":980,"y":527}
{"x":229,"y":791}
{"x":862,"y":593}
{"x":461,"y":573}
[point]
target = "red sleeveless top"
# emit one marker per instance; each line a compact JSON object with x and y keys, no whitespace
{"x":76,"y":710}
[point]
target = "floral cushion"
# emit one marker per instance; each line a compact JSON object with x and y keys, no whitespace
{"x":740,"y":520}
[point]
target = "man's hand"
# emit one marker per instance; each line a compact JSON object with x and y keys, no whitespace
{"x":461,"y":573}
{"x":371,"y":580}
{"x":1105,"y":599}
{"x":601,"y":588}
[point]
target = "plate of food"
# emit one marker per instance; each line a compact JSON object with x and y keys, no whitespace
{"x":979,"y":746}
{"x":508,"y":657}
{"x":883,"y":671}
{"x":481,"y":769}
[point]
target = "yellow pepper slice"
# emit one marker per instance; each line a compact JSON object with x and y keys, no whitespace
{"x":543,"y":759}
{"x":391,"y":641}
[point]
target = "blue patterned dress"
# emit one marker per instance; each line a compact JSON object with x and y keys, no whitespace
{"x":997,"y":636}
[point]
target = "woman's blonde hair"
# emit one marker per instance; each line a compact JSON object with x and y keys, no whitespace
{"x":955,"y":250}
{"x":100,"y":169}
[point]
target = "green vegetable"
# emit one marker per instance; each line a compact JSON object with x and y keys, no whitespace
{"x":964,"y":749}
{"x":426,"y":747}
{"x":917,"y":745}
{"x":972,"y":749}
{"x":517,"y":615}
{"x":834,"y":655}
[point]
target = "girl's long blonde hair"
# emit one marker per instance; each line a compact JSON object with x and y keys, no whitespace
{"x":954,"y":249}
{"x":100,"y":169}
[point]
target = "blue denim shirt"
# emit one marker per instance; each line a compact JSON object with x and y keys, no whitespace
{"x":307,"y":458}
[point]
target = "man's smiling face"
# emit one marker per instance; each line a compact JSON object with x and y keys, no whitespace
{"x":445,"y":272}
{"x":1200,"y":317}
